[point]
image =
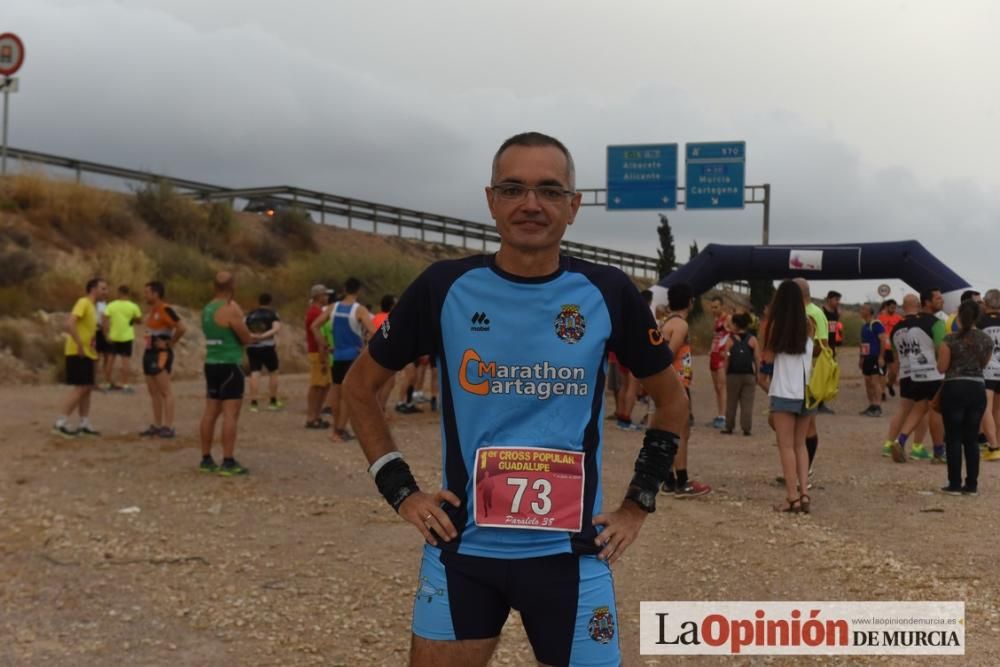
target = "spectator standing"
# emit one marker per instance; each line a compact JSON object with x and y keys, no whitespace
{"x":962,"y":356}
{"x":742,"y":361}
{"x":122,"y":314}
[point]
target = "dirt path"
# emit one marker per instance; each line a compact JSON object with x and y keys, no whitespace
{"x":301,"y":563}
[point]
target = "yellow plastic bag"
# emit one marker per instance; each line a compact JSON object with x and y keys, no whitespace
{"x":825,"y":379}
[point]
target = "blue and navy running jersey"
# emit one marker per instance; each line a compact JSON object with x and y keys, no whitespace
{"x":522,"y":363}
{"x":347,"y":332}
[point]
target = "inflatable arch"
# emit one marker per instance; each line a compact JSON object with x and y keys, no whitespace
{"x":906,"y":260}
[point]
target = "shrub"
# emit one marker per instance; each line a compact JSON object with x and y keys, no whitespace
{"x":16,"y":236}
{"x":174,"y":259}
{"x":264,"y":251}
{"x":28,"y":190}
{"x":124,"y":264}
{"x":295,"y":226}
{"x":12,"y":339}
{"x":178,"y":218}
{"x":42,"y":352}
{"x":17,"y":301}
{"x":17,"y":267}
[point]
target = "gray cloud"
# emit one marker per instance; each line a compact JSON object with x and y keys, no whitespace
{"x":410,"y":114}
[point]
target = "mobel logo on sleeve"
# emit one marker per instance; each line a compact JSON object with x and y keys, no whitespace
{"x":529,"y":487}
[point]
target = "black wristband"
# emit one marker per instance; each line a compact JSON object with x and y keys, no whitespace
{"x":652,"y":467}
{"x":396,"y":483}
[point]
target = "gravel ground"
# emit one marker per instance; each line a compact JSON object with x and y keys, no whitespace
{"x":116,"y":551}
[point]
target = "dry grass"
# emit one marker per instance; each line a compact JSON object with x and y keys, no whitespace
{"x":124,"y":264}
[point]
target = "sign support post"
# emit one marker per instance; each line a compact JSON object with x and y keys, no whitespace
{"x":11,"y":59}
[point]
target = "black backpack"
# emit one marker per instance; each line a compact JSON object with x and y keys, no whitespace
{"x":740,"y":355}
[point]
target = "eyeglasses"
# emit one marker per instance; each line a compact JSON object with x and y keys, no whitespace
{"x":515,"y":192}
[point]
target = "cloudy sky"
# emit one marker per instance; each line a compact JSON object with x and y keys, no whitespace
{"x":871,"y":120}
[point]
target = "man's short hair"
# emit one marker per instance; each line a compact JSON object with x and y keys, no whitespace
{"x":388,"y":301}
{"x":647,"y":296}
{"x":352,"y":286}
{"x":264,"y":299}
{"x":833,"y":294}
{"x":123,"y":290}
{"x":927,"y":295}
{"x":741,"y":320}
{"x":157,"y":288}
{"x":992,"y":299}
{"x":535,"y":139}
{"x":968,"y":294}
{"x":679,"y":296}
{"x":92,"y":283}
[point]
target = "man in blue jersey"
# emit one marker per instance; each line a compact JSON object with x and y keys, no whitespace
{"x":521,"y":340}
{"x":351,"y":326}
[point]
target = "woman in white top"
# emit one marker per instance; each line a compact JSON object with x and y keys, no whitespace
{"x":788,"y":356}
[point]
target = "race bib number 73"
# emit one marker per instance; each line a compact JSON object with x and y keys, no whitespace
{"x":529,"y":487}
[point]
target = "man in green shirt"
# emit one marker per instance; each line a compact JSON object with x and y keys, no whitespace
{"x":81,"y":359}
{"x":226,"y":333}
{"x":122,"y":315}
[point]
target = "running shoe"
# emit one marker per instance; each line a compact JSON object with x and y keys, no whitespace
{"x":167,"y":432}
{"x":919,"y":452}
{"x":727,"y":431}
{"x":64,"y":431}
{"x":952,"y":490}
{"x":892,"y":390}
{"x":966,"y":491}
{"x":825,"y":409}
{"x":327,"y":411}
{"x":274,"y":406}
{"x":88,"y":431}
{"x":627,"y":426}
{"x":897,"y":452}
{"x":318,"y":424}
{"x":887,"y":448}
{"x":692,"y":489}
{"x":669,"y":485}
{"x":407,"y":409}
{"x":208,"y":466}
{"x":150,"y":432}
{"x":127,"y":389}
{"x":232,"y":469}
{"x":876,"y":411}
{"x":253,"y":406}
{"x":718,"y":422}
{"x":939,"y":459}
{"x":991,"y":454}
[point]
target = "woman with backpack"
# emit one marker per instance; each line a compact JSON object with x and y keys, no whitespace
{"x":742,"y":360}
{"x":962,"y":356}
{"x":787,"y":354}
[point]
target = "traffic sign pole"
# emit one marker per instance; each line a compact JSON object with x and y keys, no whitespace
{"x":11,"y":59}
{"x":6,"y":113}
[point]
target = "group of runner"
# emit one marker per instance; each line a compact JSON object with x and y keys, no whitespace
{"x":521,"y":520}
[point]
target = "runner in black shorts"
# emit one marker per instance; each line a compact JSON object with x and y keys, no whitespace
{"x":262,"y":352}
{"x":530,"y":390}
{"x":225,"y":335}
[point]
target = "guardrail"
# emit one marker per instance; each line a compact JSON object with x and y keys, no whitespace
{"x":351,"y":210}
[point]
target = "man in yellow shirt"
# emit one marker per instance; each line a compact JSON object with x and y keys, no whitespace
{"x":122,"y":315}
{"x":81,"y":357}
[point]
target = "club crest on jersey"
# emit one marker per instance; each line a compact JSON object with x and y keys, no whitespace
{"x":570,"y":324}
{"x":602,"y":625}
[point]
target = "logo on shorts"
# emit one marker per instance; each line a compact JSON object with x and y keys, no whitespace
{"x":426,"y":591}
{"x":570,"y":324}
{"x":480,"y":322}
{"x":602,"y":625}
{"x":385,"y":329}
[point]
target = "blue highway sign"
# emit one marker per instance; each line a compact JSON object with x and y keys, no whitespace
{"x":642,"y":177}
{"x":715,"y":175}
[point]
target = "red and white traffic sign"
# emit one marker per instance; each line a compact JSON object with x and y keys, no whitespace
{"x":11,"y":53}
